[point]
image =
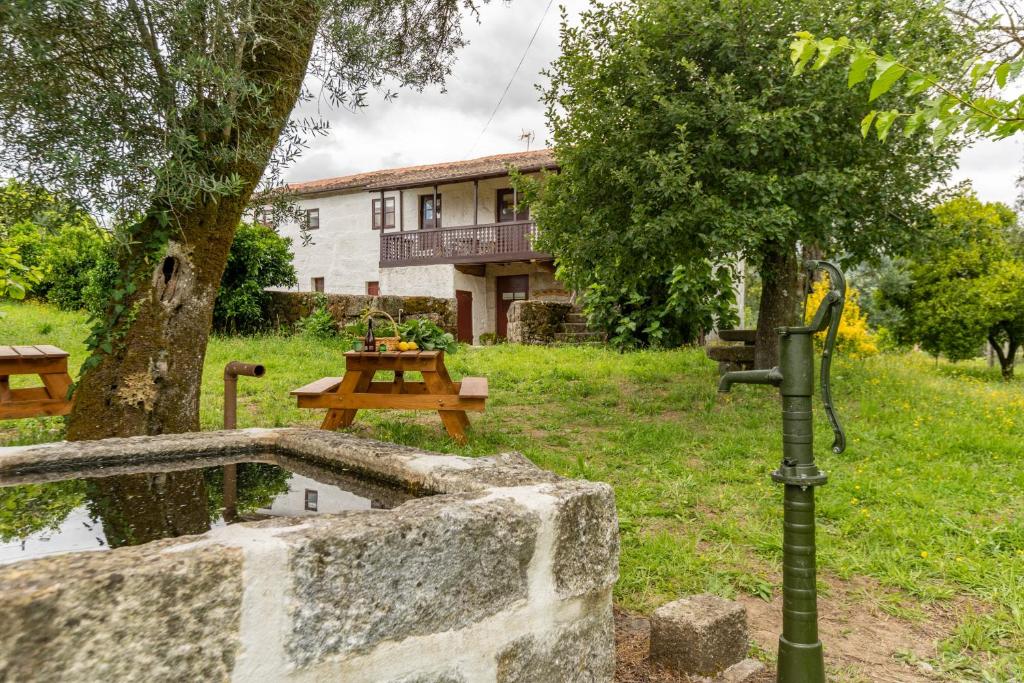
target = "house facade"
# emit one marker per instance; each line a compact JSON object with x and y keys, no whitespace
{"x":448,"y":230}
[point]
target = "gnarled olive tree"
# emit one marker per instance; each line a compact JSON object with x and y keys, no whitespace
{"x":167,"y":115}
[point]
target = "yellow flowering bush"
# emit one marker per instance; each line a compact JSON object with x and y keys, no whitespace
{"x":855,"y":338}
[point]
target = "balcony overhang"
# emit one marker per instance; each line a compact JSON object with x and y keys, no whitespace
{"x":468,"y":244}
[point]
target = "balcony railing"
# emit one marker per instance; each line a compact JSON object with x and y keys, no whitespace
{"x":464,"y":244}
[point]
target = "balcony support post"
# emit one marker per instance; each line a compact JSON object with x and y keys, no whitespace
{"x":437,"y":215}
{"x":476,"y":201}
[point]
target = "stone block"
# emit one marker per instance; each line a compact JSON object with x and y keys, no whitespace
{"x":430,"y":566}
{"x":535,"y":322}
{"x":701,"y":634}
{"x":586,"y":539}
{"x":581,"y":653}
{"x":127,"y":615}
{"x":747,"y":671}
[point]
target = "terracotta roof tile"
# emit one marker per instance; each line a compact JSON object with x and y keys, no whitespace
{"x":416,"y":176}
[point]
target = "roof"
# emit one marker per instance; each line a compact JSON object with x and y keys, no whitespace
{"x":447,"y":172}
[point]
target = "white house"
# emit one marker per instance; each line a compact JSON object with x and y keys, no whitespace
{"x":445,"y":230}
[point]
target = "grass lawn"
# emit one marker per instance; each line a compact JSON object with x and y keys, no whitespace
{"x":921,"y":536}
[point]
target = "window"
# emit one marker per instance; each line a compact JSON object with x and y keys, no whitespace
{"x":507,"y":207}
{"x":388,"y":215}
{"x":312,"y":219}
{"x":429,"y":218}
{"x":311,"y":500}
{"x":318,"y":284}
{"x":373,"y":288}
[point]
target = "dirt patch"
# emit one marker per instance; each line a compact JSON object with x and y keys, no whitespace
{"x":863,"y":643}
{"x":861,"y":640}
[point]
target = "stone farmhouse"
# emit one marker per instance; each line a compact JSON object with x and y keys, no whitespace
{"x":448,"y":230}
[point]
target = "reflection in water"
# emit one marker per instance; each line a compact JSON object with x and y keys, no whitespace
{"x":129,"y":509}
{"x":138,"y":508}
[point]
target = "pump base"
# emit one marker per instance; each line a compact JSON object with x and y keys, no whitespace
{"x":800,"y":663}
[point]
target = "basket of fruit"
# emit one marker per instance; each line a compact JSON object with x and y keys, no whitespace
{"x":389,"y":342}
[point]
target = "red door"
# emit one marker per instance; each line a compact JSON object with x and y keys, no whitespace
{"x":464,"y":312}
{"x":510,"y":288}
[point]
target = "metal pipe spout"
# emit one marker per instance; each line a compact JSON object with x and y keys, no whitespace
{"x":772,"y":377}
{"x":231,"y":372}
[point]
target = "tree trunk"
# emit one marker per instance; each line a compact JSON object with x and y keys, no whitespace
{"x":150,"y":382}
{"x":780,"y":294}
{"x":1007,"y":358}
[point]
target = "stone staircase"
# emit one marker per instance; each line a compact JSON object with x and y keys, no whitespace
{"x":574,"y":329}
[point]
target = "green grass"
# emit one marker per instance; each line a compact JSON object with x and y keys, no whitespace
{"x":927,"y":503}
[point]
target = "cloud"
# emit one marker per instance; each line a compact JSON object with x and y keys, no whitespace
{"x":434,"y":126}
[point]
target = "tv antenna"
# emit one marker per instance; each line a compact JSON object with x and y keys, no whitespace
{"x":528,"y":136}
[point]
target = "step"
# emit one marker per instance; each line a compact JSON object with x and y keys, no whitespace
{"x":574,"y":327}
{"x":578,"y":337}
{"x":574,"y":317}
{"x":731,"y":354}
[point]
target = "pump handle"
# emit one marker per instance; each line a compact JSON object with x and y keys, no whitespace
{"x":829,"y":313}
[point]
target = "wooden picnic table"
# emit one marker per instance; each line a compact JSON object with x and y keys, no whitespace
{"x":51,"y":365}
{"x":344,"y":396}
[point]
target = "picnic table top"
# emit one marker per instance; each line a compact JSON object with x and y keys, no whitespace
{"x":37,"y":352}
{"x":393,"y":354}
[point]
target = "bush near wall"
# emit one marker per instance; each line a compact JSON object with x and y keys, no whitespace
{"x":285,"y":308}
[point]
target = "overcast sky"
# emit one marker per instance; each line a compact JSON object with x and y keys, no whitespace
{"x":429,"y":127}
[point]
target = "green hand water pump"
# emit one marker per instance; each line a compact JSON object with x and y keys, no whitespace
{"x":800,"y":651}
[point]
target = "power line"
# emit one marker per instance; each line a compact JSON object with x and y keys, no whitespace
{"x":514,"y":74}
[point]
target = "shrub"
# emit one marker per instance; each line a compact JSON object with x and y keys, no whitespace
{"x":259,"y":258}
{"x":68,"y":259}
{"x":855,"y":337}
{"x":320,"y":323}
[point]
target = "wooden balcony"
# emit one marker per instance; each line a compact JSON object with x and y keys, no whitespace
{"x":490,"y":243}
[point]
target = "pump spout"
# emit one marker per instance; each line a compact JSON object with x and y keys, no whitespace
{"x":772,"y":376}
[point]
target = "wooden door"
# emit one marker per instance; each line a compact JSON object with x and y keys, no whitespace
{"x":510,"y":288}
{"x":464,"y":313}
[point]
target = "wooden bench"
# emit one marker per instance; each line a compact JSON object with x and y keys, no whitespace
{"x":734,"y":356}
{"x":51,"y":365}
{"x":344,"y":396}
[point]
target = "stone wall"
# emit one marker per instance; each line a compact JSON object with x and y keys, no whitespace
{"x":536,"y":322}
{"x":285,"y":308}
{"x":505,"y":574}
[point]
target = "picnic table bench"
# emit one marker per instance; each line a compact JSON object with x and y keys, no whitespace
{"x":51,"y":365}
{"x":344,"y":396}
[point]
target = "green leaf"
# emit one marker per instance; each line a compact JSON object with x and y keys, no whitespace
{"x":913,"y":122}
{"x":865,"y":123}
{"x":860,"y":62}
{"x":888,"y":73}
{"x":1002,"y":73}
{"x":801,"y":53}
{"x":884,"y":121}
{"x":106,"y":347}
{"x":918,"y":83}
{"x":826,"y":48}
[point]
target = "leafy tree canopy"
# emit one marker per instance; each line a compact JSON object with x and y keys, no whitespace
{"x":259,"y":258}
{"x":683,"y":137}
{"x":965,"y":286}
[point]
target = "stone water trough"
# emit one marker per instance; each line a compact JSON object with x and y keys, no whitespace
{"x":401,"y":566}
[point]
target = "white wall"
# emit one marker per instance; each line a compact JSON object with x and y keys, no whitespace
{"x":345,"y":250}
{"x":437,"y":280}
